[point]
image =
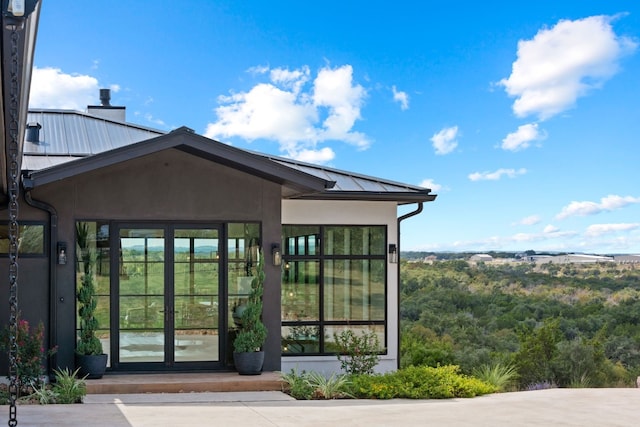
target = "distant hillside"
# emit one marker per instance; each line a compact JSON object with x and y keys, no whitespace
{"x":571,"y":325}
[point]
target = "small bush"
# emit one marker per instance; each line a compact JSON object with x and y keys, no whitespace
{"x":313,"y":385}
{"x":68,"y":388}
{"x":502,"y":376}
{"x":31,"y":354}
{"x":357,"y":355}
{"x":419,"y":382}
{"x":332,"y":387}
{"x":296,"y":385}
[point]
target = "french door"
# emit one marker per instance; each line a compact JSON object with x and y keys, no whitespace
{"x":167,"y":297}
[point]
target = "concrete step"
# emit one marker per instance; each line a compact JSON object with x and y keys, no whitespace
{"x":183,"y":383}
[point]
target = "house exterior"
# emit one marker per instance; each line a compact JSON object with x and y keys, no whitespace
{"x":481,"y":258}
{"x":176,"y":224}
{"x":573,"y":259}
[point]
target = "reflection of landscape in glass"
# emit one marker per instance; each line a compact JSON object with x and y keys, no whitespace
{"x":97,"y":242}
{"x":142,"y":280}
{"x":342,"y":280}
{"x":31,"y":240}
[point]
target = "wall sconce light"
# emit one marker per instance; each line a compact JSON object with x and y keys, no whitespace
{"x":62,"y":253}
{"x":276,"y":254}
{"x":393,"y":253}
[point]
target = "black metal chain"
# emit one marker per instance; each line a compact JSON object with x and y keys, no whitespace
{"x":14,"y":231}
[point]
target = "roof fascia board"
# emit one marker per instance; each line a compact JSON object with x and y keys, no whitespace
{"x":370,"y":196}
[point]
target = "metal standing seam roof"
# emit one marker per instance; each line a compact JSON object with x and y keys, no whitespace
{"x":72,"y":133}
{"x":68,"y":135}
{"x":349,"y":181}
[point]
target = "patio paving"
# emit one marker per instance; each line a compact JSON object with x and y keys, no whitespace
{"x":554,"y":407}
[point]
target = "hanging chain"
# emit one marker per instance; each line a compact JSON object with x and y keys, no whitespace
{"x":14,"y":231}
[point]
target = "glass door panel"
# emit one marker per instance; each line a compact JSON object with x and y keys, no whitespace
{"x":141,"y":296}
{"x":196,"y":295}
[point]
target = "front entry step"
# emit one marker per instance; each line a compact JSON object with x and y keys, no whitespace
{"x":183,"y":383}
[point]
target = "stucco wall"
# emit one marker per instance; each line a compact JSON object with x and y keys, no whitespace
{"x":345,"y":213}
{"x":166,"y":186}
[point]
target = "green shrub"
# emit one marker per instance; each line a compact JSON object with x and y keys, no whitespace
{"x":296,"y":385}
{"x":357,"y":355}
{"x":43,"y":394}
{"x":31,"y":354}
{"x":332,"y":387}
{"x":537,"y":353}
{"x":313,"y":385}
{"x":68,"y":388}
{"x":419,"y":382}
{"x":500,"y":375}
{"x":421,"y":346}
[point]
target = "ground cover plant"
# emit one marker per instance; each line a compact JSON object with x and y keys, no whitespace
{"x":66,"y":387}
{"x":415,"y":382}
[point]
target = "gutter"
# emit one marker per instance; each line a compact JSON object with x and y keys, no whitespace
{"x":400,"y":219}
{"x":27,"y":184}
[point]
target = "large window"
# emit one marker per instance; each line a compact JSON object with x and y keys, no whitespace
{"x":31,"y":239}
{"x":334,"y":278}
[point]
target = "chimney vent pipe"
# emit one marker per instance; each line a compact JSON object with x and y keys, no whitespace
{"x":105,"y":97}
{"x":33,"y":132}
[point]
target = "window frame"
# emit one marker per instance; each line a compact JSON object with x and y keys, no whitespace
{"x":45,"y":239}
{"x":321,"y":257}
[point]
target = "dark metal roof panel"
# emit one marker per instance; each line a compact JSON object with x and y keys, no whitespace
{"x":351,"y":182}
{"x":73,"y":133}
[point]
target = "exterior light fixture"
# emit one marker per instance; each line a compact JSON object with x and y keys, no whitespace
{"x":19,"y":8}
{"x":62,"y":253}
{"x":393,"y":253}
{"x":276,"y":254}
{"x":16,"y":7}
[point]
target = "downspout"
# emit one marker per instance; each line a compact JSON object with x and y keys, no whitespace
{"x":27,"y":183}
{"x":400,"y":219}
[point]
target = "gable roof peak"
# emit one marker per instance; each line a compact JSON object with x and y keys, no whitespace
{"x":184,"y":129}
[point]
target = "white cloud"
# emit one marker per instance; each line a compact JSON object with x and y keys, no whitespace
{"x":496,"y":175}
{"x":585,"y":208}
{"x":51,"y":88}
{"x":334,"y":89}
{"x":445,"y":141}
{"x":291,"y":79}
{"x":550,"y":229}
{"x":281,"y":110}
{"x":430,"y":183}
{"x":530,"y":220}
{"x":595,"y":230}
{"x":324,"y":155}
{"x":562,"y":63}
{"x":401,"y":97}
{"x":522,"y":138}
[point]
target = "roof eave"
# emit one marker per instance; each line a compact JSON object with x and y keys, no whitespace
{"x":402,"y":198}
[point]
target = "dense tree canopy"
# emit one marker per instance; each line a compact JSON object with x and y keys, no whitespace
{"x":565,"y":324}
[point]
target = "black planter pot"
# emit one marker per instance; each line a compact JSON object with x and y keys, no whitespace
{"x":249,"y":363}
{"x":91,"y":366}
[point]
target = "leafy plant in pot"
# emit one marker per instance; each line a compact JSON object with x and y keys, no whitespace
{"x":90,"y":358}
{"x":248,"y":356}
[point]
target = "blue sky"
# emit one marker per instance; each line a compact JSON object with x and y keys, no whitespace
{"x":523,"y":119}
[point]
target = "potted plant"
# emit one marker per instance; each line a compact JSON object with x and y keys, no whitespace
{"x":248,"y":355}
{"x":90,"y":359}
